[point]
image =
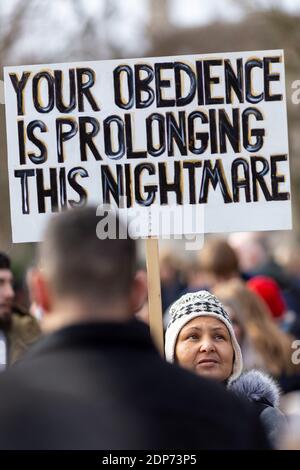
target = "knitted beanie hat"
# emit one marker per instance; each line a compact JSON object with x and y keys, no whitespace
{"x":199,"y":304}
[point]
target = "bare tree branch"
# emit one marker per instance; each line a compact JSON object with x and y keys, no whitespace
{"x":16,"y":24}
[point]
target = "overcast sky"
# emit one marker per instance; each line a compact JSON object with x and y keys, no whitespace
{"x":193,"y":12}
{"x":130,"y":24}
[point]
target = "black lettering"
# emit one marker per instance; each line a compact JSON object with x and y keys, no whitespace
{"x":131,"y":153}
{"x":190,"y":166}
{"x":160,"y":83}
{"x":258,"y":177}
{"x":234,"y":81}
{"x":213,"y":176}
{"x":258,"y":133}
{"x":176,"y":132}
{"x":43,"y":192}
{"x":72,"y":175}
{"x":149,"y":189}
{"x":238,"y":182}
{"x":21,"y":142}
{"x":200,"y":88}
{"x":62,"y":188}
{"x":209,"y":81}
{"x":118,"y":73}
{"x":249,"y":66}
{"x":86,"y":137}
{"x":200,"y":136}
{"x":63,"y":136}
{"x":165,"y":186}
{"x":271,"y":77}
{"x":36,"y":92}
{"x":213,"y":131}
{"x":180,"y":68}
{"x":111,"y":185}
{"x":84,"y":86}
{"x":19,"y":86}
{"x":229,"y":130}
{"x":142,"y":85}
{"x":61,"y":106}
{"x":42,"y":157}
{"x":153,"y":150}
{"x":109,"y":151}
{"x":24,"y":175}
{"x":128,"y":188}
{"x":277,"y":179}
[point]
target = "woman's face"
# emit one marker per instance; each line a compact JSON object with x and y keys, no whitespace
{"x":204,"y":346}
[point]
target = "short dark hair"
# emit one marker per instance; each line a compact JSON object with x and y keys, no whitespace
{"x":4,"y":261}
{"x":82,"y":266}
{"x":218,"y":258}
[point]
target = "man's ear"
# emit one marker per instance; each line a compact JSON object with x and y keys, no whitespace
{"x":139,"y":291}
{"x":39,"y":290}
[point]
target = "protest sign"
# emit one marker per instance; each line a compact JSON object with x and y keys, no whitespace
{"x":201,"y":132}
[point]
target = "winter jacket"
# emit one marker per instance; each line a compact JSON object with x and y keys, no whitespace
{"x":260,"y":389}
{"x":21,"y":333}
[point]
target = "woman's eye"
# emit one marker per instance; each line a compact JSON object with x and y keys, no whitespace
{"x":192,"y":337}
{"x":219,"y":337}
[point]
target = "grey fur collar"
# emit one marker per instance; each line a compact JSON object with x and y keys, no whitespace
{"x":256,"y":385}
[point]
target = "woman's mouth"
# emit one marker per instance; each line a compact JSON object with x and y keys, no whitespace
{"x":208,"y":361}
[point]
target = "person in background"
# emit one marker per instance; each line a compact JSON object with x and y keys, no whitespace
{"x":256,"y":258}
{"x":252,"y":250}
{"x":95,"y":380}
{"x":18,"y":329}
{"x":171,"y":276}
{"x":200,"y":337}
{"x":218,"y":262}
{"x":263,"y":344}
{"x":269,"y":291}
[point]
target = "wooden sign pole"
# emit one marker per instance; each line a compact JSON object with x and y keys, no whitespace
{"x":154,"y":294}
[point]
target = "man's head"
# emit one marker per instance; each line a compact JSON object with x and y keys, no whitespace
{"x":6,"y":290}
{"x":82,"y":277}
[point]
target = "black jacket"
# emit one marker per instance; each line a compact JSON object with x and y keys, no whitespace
{"x":104,"y":386}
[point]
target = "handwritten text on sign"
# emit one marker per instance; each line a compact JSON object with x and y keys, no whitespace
{"x":207,"y":131}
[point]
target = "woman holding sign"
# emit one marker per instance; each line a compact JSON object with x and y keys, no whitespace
{"x":201,"y":338}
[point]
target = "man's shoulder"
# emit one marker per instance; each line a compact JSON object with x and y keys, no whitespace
{"x":203,"y":392}
{"x":164,"y":394}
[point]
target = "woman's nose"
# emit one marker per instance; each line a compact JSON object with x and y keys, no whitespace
{"x":207,"y":345}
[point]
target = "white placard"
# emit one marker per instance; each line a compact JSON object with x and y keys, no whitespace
{"x":203,"y":132}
